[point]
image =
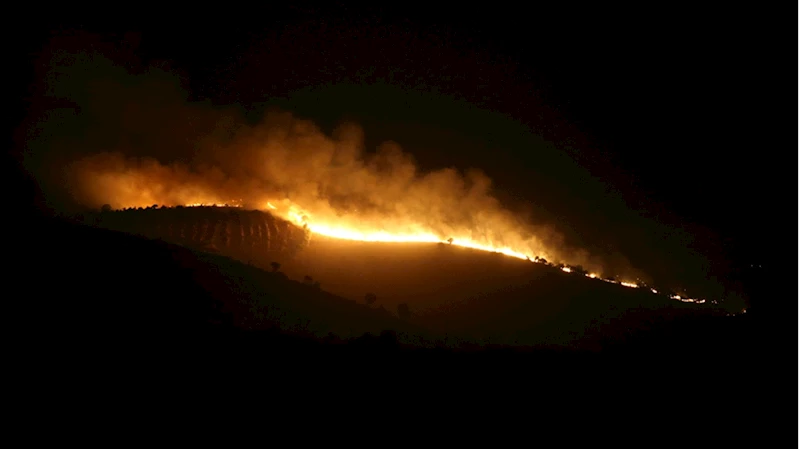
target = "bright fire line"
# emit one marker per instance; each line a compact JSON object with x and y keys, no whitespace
{"x":300,"y":218}
{"x":385,"y":236}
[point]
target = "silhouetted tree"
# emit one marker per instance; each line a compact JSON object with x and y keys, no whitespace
{"x":388,"y":339}
{"x":106,"y":208}
{"x":331,"y":338}
{"x":403,"y":311}
{"x":370,"y":298}
{"x":450,"y":240}
{"x":275,"y":267}
{"x":307,"y":280}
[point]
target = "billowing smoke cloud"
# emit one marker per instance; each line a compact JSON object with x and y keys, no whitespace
{"x":131,"y":137}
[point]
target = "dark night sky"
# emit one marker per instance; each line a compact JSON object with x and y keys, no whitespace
{"x":658,"y":114}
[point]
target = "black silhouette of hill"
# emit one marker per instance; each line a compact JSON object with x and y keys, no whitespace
{"x":114,"y":281}
{"x":451,"y":290}
{"x":464,"y":296}
{"x":100,"y":290}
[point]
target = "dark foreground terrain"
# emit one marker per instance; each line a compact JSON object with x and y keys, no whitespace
{"x":88,"y":292}
{"x":463,"y":296}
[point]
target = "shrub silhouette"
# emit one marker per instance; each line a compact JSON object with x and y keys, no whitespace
{"x":275,"y":267}
{"x":370,"y":298}
{"x":403,"y":311}
{"x":388,"y":339}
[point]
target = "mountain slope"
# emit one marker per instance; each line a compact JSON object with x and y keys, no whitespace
{"x":486,"y":296}
{"x":91,"y":281}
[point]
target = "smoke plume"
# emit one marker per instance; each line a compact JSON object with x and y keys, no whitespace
{"x":131,"y":137}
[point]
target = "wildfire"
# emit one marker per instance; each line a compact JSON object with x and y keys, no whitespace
{"x":302,"y":218}
{"x":231,"y":203}
{"x":693,"y":300}
{"x":362,"y":232}
{"x":211,"y":205}
{"x":383,"y":196}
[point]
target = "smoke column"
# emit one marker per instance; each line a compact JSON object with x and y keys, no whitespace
{"x":131,"y":137}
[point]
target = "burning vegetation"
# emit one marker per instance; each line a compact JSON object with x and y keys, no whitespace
{"x":141,"y":143}
{"x":260,"y":237}
{"x":326,"y":186}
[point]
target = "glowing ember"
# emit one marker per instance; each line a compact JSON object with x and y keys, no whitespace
{"x":566,"y":269}
{"x":211,"y":205}
{"x":629,"y":284}
{"x":231,"y":203}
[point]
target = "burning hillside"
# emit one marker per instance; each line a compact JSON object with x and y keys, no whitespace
{"x":132,"y":140}
{"x":260,"y":238}
{"x":340,"y":194}
{"x":293,"y":171}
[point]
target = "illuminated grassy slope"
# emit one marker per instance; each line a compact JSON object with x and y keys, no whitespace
{"x":490,"y":297}
{"x":487,"y":296}
{"x":126,"y":282}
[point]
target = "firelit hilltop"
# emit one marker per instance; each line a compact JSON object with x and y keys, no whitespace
{"x":251,"y":236}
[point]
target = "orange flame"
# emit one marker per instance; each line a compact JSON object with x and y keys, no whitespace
{"x":361,"y":231}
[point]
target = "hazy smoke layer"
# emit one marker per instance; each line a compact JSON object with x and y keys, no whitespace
{"x":111,"y":135}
